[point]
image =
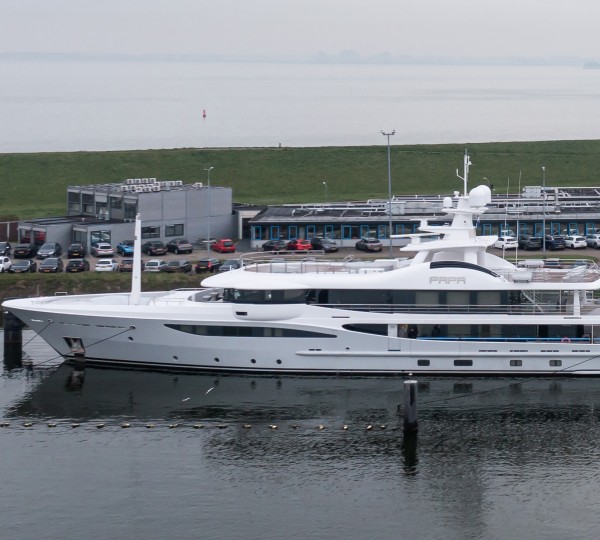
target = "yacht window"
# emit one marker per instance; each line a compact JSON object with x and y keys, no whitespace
{"x":246,"y":331}
{"x":463,"y":362}
{"x":377,"y":329}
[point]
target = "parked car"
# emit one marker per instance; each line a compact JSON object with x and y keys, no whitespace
{"x":593,"y":240}
{"x":155,"y":265}
{"x":575,"y":242}
{"x":298,"y":244}
{"x":5,"y":263}
{"x":102,"y":249}
{"x":25,"y":251}
{"x":325,"y":244}
{"x":106,"y":265}
{"x":206,"y":242}
{"x":52,"y":265}
{"x":125,"y":247}
{"x":154,"y":247}
{"x":49,"y":249}
{"x":274,"y":245}
{"x":554,"y":242}
{"x":76,"y":251}
{"x":369,"y":244}
{"x":179,"y":245}
{"x":177,"y":266}
{"x":126,"y":265}
{"x":5,"y":248}
{"x":506,"y":242}
{"x":530,"y":242}
{"x":230,"y":264}
{"x":223,"y":245}
{"x":209,"y":264}
{"x":23,"y":265}
{"x":77,"y":265}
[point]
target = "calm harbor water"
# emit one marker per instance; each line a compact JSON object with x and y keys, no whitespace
{"x":494,"y":458}
{"x":65,"y":106}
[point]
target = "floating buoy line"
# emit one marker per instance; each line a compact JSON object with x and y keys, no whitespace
{"x":149,"y":425}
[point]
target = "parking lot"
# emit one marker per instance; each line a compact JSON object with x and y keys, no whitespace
{"x":243,"y":248}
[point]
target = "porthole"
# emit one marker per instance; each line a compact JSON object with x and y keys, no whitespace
{"x":515,"y":363}
{"x":555,"y":363}
{"x":130,"y":338}
{"x":176,"y":358}
{"x":216,"y":359}
{"x":279,"y":361}
{"x":253,"y":361}
{"x":422,"y":362}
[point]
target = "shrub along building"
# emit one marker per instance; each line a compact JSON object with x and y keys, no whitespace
{"x":106,"y":212}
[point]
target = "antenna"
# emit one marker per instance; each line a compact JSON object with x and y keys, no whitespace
{"x":466,"y":164}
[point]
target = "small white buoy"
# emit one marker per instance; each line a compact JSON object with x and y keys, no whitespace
{"x":173,"y":426}
{"x":4,"y":424}
{"x":149,"y":426}
{"x":198,"y":426}
{"x":27,"y":424}
{"x":51,"y":424}
{"x":246,"y":426}
{"x":125,"y":425}
{"x":345,"y":427}
{"x":369,"y":427}
{"x":321,"y":427}
{"x":75,"y":425}
{"x":99,"y":426}
{"x":272,"y":426}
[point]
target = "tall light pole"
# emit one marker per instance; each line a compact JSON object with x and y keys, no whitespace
{"x":208,"y":216}
{"x":326,"y":195}
{"x":388,"y":135}
{"x":544,"y":209}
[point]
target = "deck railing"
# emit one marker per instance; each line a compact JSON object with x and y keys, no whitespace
{"x":520,"y":309}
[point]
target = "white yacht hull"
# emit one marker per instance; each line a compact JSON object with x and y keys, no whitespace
{"x":105,"y":329}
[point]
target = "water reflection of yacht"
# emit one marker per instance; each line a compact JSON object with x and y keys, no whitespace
{"x":453,"y":308}
{"x":118,"y":393}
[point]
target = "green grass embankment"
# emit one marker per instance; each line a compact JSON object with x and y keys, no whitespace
{"x":34,"y":185}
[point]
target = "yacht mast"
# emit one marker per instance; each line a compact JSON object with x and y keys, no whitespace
{"x":136,"y":272}
{"x":465,"y":178}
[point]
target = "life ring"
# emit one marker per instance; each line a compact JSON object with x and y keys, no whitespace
{"x":565,"y":340}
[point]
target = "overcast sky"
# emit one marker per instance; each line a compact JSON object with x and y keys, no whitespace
{"x":473,"y":28}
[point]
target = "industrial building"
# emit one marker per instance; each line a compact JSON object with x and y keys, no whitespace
{"x":106,"y":212}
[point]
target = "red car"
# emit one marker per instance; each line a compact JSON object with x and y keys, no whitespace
{"x":223,"y":245}
{"x":298,"y":244}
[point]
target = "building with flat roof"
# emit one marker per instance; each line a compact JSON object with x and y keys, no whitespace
{"x":558,"y":211}
{"x":106,"y":212}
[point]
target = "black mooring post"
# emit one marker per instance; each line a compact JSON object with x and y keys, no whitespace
{"x":410,"y":406}
{"x":13,"y":340}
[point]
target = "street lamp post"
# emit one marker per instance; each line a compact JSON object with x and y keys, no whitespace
{"x":208,"y":216}
{"x":326,"y":195}
{"x":544,"y":210}
{"x":388,"y":135}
